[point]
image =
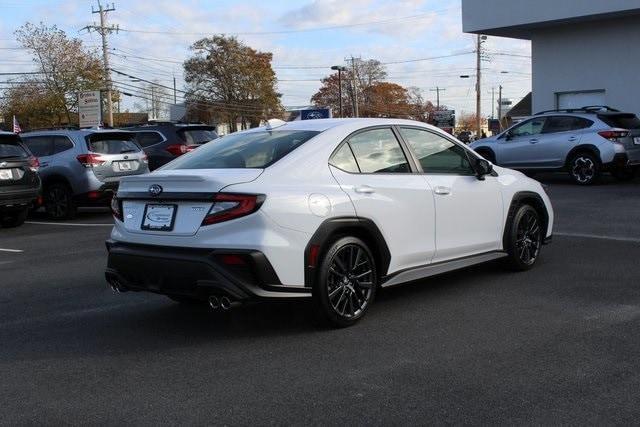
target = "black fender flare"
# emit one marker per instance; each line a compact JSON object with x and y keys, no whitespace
{"x":589,"y":148}
{"x":533,"y":199}
{"x":362,"y":228}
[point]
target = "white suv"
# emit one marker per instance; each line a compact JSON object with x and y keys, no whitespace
{"x":324,"y":209}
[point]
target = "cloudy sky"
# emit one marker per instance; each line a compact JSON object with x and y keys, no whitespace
{"x":420,"y":40}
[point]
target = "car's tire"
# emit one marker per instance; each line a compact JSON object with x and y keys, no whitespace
{"x":14,"y":218}
{"x":584,"y":168}
{"x":346,"y":284}
{"x":626,"y":174}
{"x":58,"y":201}
{"x":523,"y":239}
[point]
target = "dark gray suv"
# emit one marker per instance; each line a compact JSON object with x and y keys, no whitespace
{"x":83,"y":167}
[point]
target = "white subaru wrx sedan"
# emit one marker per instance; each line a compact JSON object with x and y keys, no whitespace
{"x":325,"y":209}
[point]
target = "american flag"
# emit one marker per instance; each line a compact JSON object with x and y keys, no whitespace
{"x":16,"y":125}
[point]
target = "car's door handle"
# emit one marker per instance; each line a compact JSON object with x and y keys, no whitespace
{"x":573,"y":138}
{"x":364,"y":189}
{"x":442,"y":191}
{"x":533,"y":141}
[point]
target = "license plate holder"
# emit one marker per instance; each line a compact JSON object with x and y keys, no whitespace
{"x":159,"y":217}
{"x":124,"y":166}
{"x":6,"y":174}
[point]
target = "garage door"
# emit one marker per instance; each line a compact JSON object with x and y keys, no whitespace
{"x":580,"y":99}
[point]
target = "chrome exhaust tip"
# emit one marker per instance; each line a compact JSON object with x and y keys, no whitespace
{"x":115,"y":285}
{"x":214,"y":302}
{"x":225,"y":303}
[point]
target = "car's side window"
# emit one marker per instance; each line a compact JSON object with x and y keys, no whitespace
{"x":343,"y":159}
{"x":557,"y":124}
{"x":61,"y":143}
{"x":147,"y":139}
{"x":437,"y":154}
{"x":580,"y":123}
{"x":378,"y":151}
{"x":40,"y":146}
{"x":529,"y":128}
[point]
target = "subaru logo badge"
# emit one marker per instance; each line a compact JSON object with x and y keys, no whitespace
{"x":155,"y":190}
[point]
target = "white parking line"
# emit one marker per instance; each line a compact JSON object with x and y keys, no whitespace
{"x":599,"y":236}
{"x":17,"y":251}
{"x":72,"y":224}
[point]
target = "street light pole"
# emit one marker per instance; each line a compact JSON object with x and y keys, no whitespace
{"x":340,"y":69}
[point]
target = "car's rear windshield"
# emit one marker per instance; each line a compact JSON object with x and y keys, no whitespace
{"x":197,"y":136}
{"x":116,"y":143}
{"x":10,"y":148}
{"x":624,"y":121}
{"x":258,"y":149}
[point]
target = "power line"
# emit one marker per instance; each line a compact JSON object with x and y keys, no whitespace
{"x":302,"y":30}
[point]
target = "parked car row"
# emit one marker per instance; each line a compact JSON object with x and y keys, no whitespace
{"x":585,"y":142}
{"x":63,"y":169}
{"x":19,"y":181}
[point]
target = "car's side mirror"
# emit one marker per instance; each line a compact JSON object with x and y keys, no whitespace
{"x":483,"y":167}
{"x":508,"y":136}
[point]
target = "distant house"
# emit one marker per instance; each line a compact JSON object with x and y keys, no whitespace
{"x":518,"y":112}
{"x":583,"y":52}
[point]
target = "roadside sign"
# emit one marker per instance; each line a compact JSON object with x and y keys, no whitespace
{"x":494,"y":126}
{"x":444,"y":119}
{"x":316,"y":113}
{"x":90,"y":108}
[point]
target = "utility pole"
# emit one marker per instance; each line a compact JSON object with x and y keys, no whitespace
{"x":500,"y":106}
{"x":175,"y":98}
{"x":478,"y":83}
{"x":104,"y":30}
{"x":354,"y":82}
{"x":437,"y":90}
{"x":493,"y":100}
{"x":153,"y":102}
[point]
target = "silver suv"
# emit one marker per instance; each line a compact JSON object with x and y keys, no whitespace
{"x":585,"y":142}
{"x":83,"y":167}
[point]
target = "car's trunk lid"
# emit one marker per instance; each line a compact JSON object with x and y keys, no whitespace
{"x":185,"y":195}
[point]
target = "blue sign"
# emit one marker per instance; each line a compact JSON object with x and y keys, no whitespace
{"x":316,"y":113}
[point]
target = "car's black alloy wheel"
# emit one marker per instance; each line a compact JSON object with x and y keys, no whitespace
{"x":346,"y":283}
{"x":524,"y":238}
{"x":58,"y":202}
{"x":584,"y":169}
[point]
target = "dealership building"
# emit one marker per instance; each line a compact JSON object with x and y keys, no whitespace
{"x":584,"y":52}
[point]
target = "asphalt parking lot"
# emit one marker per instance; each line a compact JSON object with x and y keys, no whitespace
{"x":555,"y":345}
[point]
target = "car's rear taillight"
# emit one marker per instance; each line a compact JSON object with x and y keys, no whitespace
{"x":614,"y":134}
{"x":116,"y":209}
{"x":177,"y":149}
{"x":228,"y":206}
{"x":34,"y":164}
{"x":90,"y":160}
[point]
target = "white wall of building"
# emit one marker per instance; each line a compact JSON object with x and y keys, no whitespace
{"x":588,"y":57}
{"x":503,"y":17}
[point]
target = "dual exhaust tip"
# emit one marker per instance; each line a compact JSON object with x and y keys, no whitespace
{"x":115,"y":285}
{"x":215,"y":302}
{"x":224,"y":302}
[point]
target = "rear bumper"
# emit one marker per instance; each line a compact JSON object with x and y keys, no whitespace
{"x":19,"y":199}
{"x":197,"y":273}
{"x":622,"y":161}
